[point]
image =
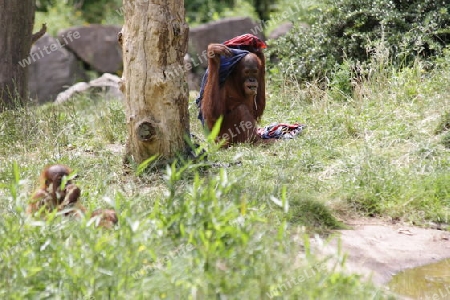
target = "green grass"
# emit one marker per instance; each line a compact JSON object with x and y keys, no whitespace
{"x":204,"y":232}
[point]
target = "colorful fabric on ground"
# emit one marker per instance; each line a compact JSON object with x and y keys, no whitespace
{"x":280,"y":131}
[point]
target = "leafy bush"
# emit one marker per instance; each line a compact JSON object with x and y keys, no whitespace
{"x":93,"y":11}
{"x":199,"y":11}
{"x":111,"y":11}
{"x":351,"y":29}
{"x":58,"y":16}
{"x":199,"y":239}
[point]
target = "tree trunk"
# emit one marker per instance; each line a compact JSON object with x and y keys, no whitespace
{"x":16,"y":25}
{"x":154,"y":42}
{"x":262,"y":8}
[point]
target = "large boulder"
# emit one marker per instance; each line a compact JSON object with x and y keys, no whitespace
{"x":217,"y":32}
{"x":280,"y":31}
{"x":51,"y":69}
{"x":284,"y":28}
{"x":96,"y":45}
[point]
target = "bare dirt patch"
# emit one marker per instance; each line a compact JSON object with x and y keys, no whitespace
{"x":377,"y":249}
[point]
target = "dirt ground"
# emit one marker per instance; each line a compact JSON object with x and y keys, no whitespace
{"x":378,"y":249}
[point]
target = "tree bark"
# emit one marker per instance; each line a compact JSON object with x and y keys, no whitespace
{"x":16,"y":25}
{"x":154,"y":42}
{"x":262,"y":8}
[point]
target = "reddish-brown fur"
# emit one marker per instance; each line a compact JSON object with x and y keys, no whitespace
{"x":237,"y":101}
{"x":50,"y":196}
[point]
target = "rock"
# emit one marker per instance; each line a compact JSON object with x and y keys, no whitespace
{"x":96,"y":45}
{"x":280,"y":30}
{"x":107,"y":85}
{"x":218,"y":32}
{"x":77,"y":88}
{"x":51,"y":69}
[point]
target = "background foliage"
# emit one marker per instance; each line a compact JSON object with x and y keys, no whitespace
{"x":330,"y":38}
{"x":197,"y":11}
{"x":351,"y":30}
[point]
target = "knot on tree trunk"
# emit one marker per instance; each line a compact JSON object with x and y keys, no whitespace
{"x":146,"y":131}
{"x":120,"y":38}
{"x":176,"y":29}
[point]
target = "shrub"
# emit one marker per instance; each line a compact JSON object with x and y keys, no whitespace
{"x":91,"y":11}
{"x":351,"y":30}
